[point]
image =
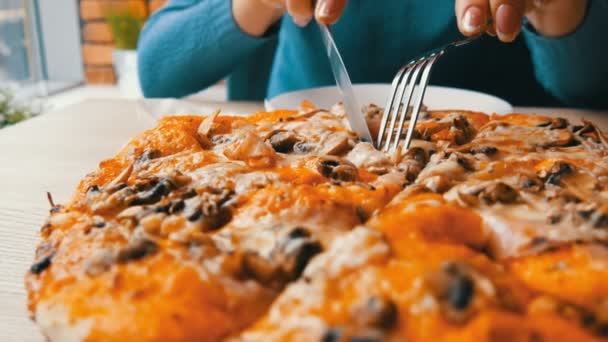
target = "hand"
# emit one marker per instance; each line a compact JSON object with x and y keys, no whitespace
{"x":550,"y":18}
{"x":302,"y":11}
{"x":256,"y":16}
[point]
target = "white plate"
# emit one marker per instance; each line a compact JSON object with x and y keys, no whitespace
{"x":436,"y":98}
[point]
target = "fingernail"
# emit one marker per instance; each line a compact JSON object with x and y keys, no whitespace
{"x":507,"y":21}
{"x":323,"y":9}
{"x":472,"y":20}
{"x":301,"y":21}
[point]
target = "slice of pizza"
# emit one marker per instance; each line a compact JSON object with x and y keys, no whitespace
{"x":284,"y":226}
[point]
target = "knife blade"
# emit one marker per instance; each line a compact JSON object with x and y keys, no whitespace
{"x":354,"y":114}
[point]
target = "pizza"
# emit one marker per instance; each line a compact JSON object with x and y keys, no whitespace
{"x":284,"y":226}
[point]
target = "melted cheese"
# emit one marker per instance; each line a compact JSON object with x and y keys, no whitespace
{"x":154,"y":245}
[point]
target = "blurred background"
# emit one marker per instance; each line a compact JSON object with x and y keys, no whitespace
{"x":57,"y":52}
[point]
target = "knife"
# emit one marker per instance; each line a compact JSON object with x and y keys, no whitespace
{"x":353,"y":110}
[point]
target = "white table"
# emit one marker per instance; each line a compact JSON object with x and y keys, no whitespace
{"x":52,"y":153}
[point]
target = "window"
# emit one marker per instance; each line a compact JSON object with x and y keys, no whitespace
{"x":15,"y":52}
{"x":40,"y":46}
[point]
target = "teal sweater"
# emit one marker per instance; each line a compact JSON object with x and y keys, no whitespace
{"x":191,"y":44}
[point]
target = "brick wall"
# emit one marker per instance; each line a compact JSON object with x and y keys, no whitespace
{"x":97,"y":44}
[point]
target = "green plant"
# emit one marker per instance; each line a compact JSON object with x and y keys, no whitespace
{"x":125,"y":29}
{"x":10,"y":111}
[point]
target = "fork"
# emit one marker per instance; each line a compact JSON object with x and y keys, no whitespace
{"x":406,"y":81}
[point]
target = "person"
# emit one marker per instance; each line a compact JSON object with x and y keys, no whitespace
{"x":556,"y":56}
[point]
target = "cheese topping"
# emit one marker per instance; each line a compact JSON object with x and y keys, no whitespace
{"x":284,"y":226}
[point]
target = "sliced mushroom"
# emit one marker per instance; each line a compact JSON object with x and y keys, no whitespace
{"x":153,"y":195}
{"x":283,"y":141}
{"x":98,"y":222}
{"x":285,"y":263}
{"x":428,"y":146}
{"x":215,"y":218}
{"x":147,"y":155}
{"x":337,"y":168}
{"x":377,"y":312}
{"x":484,"y":149}
{"x":599,"y":219}
{"x":488,"y":193}
{"x":177,"y":206}
{"x":530,"y":184}
{"x":596,"y":215}
{"x":136,"y":249}
{"x":581,"y":129}
{"x":499,"y":192}
{"x":209,"y":210}
{"x":304,"y":147}
{"x":455,"y":288}
{"x":556,"y":172}
{"x":418,"y":154}
{"x":93,"y":189}
{"x":460,"y":291}
{"x":295,"y":253}
{"x":411,"y":170}
{"x":458,"y":126}
{"x":465,"y":161}
{"x":298,"y":233}
{"x":559,"y":138}
{"x":335,"y":144}
{"x":601,"y":136}
{"x":556,"y":123}
{"x":413,"y":162}
{"x":42,"y":263}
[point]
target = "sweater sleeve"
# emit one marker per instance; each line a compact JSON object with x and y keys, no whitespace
{"x":573,"y":68}
{"x":189,"y":45}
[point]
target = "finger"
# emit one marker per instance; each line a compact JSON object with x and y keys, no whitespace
{"x":329,"y":11}
{"x":301,"y":11}
{"x":277,"y":4}
{"x":508,"y":16}
{"x":472,"y":16}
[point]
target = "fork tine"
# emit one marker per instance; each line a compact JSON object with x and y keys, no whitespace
{"x":397,"y":109}
{"x":405,"y":80}
{"x":389,"y":106}
{"x":424,"y":81}
{"x":412,"y":87}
